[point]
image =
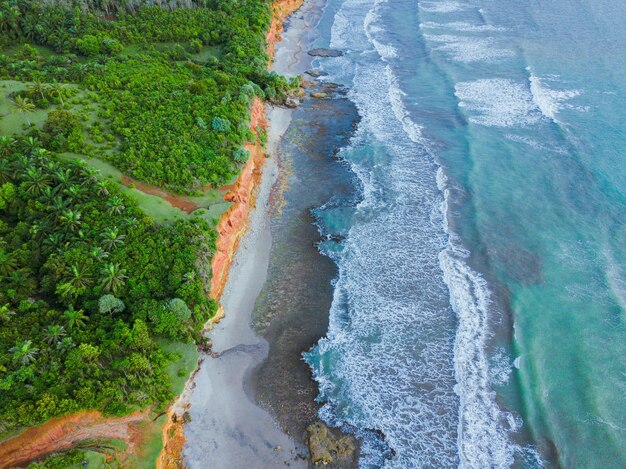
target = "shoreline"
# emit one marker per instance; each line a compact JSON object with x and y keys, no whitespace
{"x":243,"y":231}
{"x":244,"y":192}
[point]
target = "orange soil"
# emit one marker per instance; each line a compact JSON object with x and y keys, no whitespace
{"x":233,"y":223}
{"x":231,"y":227}
{"x":62,"y":433}
{"x":175,"y":200}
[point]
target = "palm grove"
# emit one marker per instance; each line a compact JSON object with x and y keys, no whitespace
{"x":91,"y":285}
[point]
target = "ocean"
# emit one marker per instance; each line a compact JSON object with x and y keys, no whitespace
{"x":478,"y":317}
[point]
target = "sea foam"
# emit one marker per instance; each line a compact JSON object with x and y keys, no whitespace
{"x":498,"y":102}
{"x":550,"y":101}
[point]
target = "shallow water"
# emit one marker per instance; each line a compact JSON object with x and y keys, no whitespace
{"x":478,"y":317}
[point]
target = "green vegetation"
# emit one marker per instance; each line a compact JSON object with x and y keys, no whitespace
{"x":103,"y":287}
{"x":153,"y":80}
{"x":87,"y":282}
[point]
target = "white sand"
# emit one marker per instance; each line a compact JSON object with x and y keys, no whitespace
{"x":228,"y":429}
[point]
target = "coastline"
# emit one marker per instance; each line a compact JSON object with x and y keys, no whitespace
{"x":241,"y":229}
{"x":63,"y":432}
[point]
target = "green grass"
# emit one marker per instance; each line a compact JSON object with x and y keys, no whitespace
{"x":12,"y":122}
{"x":179,"y":370}
{"x":211,"y":203}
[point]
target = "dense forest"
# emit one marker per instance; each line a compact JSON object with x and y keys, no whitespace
{"x":164,"y":85}
{"x":87,"y":282}
{"x":91,"y":286}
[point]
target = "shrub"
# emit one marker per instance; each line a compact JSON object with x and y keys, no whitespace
{"x":109,"y":304}
{"x":179,"y":308}
{"x":241,"y":155}
{"x":112,"y":46}
{"x":220,"y":125}
{"x":63,"y":130}
{"x":88,"y":45}
{"x":195,"y":45}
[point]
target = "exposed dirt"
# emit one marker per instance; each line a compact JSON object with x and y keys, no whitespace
{"x":175,"y":200}
{"x":62,"y":433}
{"x":231,"y":227}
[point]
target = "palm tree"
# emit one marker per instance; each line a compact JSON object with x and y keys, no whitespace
{"x":8,"y":263}
{"x":115,"y":205}
{"x":75,"y":318}
{"x":63,"y":177}
{"x":22,"y":281}
{"x":59,"y":204}
{"x":111,"y":238}
{"x":9,"y":21}
{"x":40,"y":228}
{"x":98,"y":253}
{"x":33,"y":145}
{"x":39,"y":88}
{"x":76,"y":281}
{"x":24,"y":105}
{"x":21,"y":164}
{"x":24,"y":352}
{"x":103,"y":189}
{"x":54,"y":240}
{"x":54,"y":334}
{"x":58,"y":90}
{"x":36,"y":181}
{"x":6,"y":145}
{"x":75,"y":191}
{"x":112,"y":278}
{"x":89,"y":176}
{"x":71,"y":218}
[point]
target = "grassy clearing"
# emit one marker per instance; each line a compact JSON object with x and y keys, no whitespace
{"x":83,"y":103}
{"x":211,"y":203}
{"x":180,"y":369}
{"x":12,"y":122}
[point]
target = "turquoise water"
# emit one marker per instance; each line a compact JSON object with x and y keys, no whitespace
{"x":479,"y":311}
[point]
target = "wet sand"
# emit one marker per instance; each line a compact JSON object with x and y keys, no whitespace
{"x":227,"y":427}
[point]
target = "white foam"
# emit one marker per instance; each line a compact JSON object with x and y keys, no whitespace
{"x":391,"y":359}
{"x":462,"y":26}
{"x":484,"y":429}
{"x":372,"y":29}
{"x":396,"y":95}
{"x":550,"y":101}
{"x":469,"y":49}
{"x":443,"y":7}
{"x":498,"y":102}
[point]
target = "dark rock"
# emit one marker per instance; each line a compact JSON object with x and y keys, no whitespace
{"x":325,"y":53}
{"x":315,"y":73}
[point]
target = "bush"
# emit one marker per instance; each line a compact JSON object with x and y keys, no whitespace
{"x":180,"y":309}
{"x":241,"y":155}
{"x":112,"y":46}
{"x":89,"y":45}
{"x":109,"y":304}
{"x":195,"y":45}
{"x":63,"y":131}
{"x":220,"y":125}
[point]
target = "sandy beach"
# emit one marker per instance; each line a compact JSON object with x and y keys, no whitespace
{"x":227,"y":428}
